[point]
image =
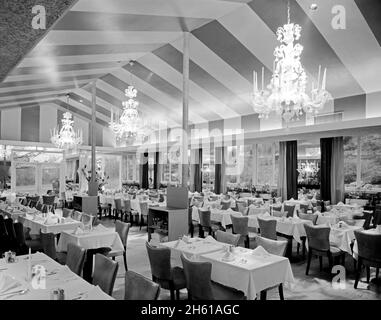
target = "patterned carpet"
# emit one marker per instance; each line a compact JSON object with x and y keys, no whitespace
{"x":316,"y":286}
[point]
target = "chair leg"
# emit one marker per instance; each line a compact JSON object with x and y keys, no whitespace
{"x":330,"y":261}
{"x":177,"y":294}
{"x":191,"y":230}
{"x":247,"y":242}
{"x":367,"y":274}
{"x":304,"y":249}
{"x":377,"y":272}
{"x":113,"y":258}
{"x":308,"y":261}
{"x":172,"y":291}
{"x":321,"y":263}
{"x":280,"y":288}
{"x":263,"y":295}
{"x":358,"y":273}
{"x":125,"y":259}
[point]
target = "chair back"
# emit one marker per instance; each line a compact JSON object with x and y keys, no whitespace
{"x":198,"y":279}
{"x":105,"y":271}
{"x":67,"y":213}
{"x":242,"y":208}
{"x":368,"y":219}
{"x":19,"y":231}
{"x":267,"y":228}
{"x":39,"y":206}
{"x":127,"y":205}
{"x":10,"y":229}
{"x":118,"y":204}
{"x":144,"y":208}
{"x":160,"y":261}
{"x":304,"y":207}
{"x":122,"y":229}
{"x":205,"y":219}
{"x":213,"y":198}
{"x":225,"y":205}
{"x":277,"y":247}
{"x":48,"y":200}
{"x":289,"y":210}
{"x":77,"y":215}
{"x":227,"y":237}
{"x":369,"y":246}
{"x":138,"y":287}
{"x":48,"y":241}
{"x":46,"y":208}
{"x":3,"y":229}
{"x":278,"y":214}
{"x":24,"y":202}
{"x":87,"y":219}
{"x":75,"y":258}
{"x":318,"y":237}
{"x":308,"y":216}
{"x":240,"y":225}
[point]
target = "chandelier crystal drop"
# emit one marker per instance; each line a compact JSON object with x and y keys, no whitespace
{"x":286,"y":94}
{"x":66,"y":137}
{"x":129,"y":123}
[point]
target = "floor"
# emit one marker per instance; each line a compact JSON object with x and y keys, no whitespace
{"x":316,"y":286}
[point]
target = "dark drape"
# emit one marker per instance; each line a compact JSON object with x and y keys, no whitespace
{"x":291,"y":169}
{"x":156,"y":171}
{"x":217,"y":178}
{"x":325,"y":168}
{"x":145,"y":184}
{"x":198,"y":173}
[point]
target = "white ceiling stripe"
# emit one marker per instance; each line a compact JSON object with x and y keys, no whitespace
{"x":16,"y":104}
{"x":164,"y":70}
{"x":211,"y":9}
{"x":356,"y":45}
{"x":67,"y":37}
{"x":38,"y":95}
{"x":156,"y":94}
{"x":217,"y":68}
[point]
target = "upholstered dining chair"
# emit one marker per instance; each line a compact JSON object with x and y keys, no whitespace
{"x":172,"y":279}
{"x":127,"y":210}
{"x":105,"y":271}
{"x":143,"y":213}
{"x":67,"y":213}
{"x":240,"y":226}
{"x":11,"y":234}
{"x":137,"y":287}
{"x":77,"y":215}
{"x":267,"y":228}
{"x":308,"y":216}
{"x":39,"y":206}
{"x":122,"y":229}
{"x":242,"y":208}
{"x":89,"y":259}
{"x":225,"y":205}
{"x":48,"y":241}
{"x":289,"y":210}
{"x":318,"y":244}
{"x":75,"y":258}
{"x":304,"y":208}
{"x":200,"y":286}
{"x":118,"y":209}
{"x":369,"y":254}
{"x":206,"y":223}
{"x":274,"y":247}
{"x":226,"y":237}
{"x":22,"y":247}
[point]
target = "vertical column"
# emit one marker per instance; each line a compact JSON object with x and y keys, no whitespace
{"x":156,"y":171}
{"x":93,"y":185}
{"x":184,"y":176}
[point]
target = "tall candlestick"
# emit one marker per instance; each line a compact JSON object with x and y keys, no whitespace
{"x":324,"y":79}
{"x":318,"y":82}
{"x":29,"y":271}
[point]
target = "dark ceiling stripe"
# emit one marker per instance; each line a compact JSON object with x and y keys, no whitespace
{"x":198,"y":75}
{"x":371,"y":10}
{"x":88,"y":104}
{"x":65,"y":67}
{"x":230,"y":49}
{"x":81,"y":20}
{"x":316,"y":49}
{"x":74,"y":50}
{"x":34,"y":91}
{"x":164,"y":86}
{"x":82,"y":113}
{"x":147,"y":100}
{"x":12,"y":84}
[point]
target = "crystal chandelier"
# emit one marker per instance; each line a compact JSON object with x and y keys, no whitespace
{"x":66,"y":137}
{"x":286,"y":93}
{"x":129,"y":123}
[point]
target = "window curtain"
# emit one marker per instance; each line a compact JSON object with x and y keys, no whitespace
{"x":291,"y":169}
{"x":195,"y":170}
{"x":325,"y":168}
{"x":156,"y":174}
{"x":144,"y":170}
{"x":337,"y":170}
{"x":219,"y":171}
{"x":282,"y":178}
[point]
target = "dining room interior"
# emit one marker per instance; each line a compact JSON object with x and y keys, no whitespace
{"x":190,"y":150}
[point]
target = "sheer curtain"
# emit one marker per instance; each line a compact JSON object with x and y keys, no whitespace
{"x":282,"y":177}
{"x":325,"y":171}
{"x":337,"y":170}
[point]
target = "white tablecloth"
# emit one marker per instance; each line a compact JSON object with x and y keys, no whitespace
{"x":253,"y":210}
{"x":289,"y":226}
{"x":98,"y":237}
{"x":216,"y":215}
{"x":57,"y":276}
{"x":327,"y":218}
{"x":257,"y":274}
{"x":37,"y":225}
{"x":343,"y":237}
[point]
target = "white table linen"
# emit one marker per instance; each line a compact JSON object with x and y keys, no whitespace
{"x":39,"y":224}
{"x":217,"y":215}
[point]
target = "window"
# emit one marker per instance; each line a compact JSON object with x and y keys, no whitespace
{"x":208,"y":168}
{"x":370,"y":159}
{"x":265,"y":160}
{"x":26,"y":176}
{"x":350,"y":159}
{"x":309,"y":158}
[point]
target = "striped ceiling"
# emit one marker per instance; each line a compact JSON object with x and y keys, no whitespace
{"x":95,"y":39}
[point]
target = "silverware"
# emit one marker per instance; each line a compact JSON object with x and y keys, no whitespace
{"x":20,"y":292}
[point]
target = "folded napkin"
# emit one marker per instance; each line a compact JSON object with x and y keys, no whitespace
{"x":51,"y":220}
{"x":260,"y":251}
{"x":210,"y":239}
{"x":185,"y":239}
{"x":8,"y":284}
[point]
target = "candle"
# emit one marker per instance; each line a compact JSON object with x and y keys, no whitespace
{"x":318,"y":82}
{"x":324,"y":79}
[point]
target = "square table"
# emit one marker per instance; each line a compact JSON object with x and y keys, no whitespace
{"x":249,"y":272}
{"x":217,"y":215}
{"x":343,"y":237}
{"x":38,"y":224}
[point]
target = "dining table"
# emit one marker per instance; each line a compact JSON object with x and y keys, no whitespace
{"x":15,"y":284}
{"x":218,"y":215}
